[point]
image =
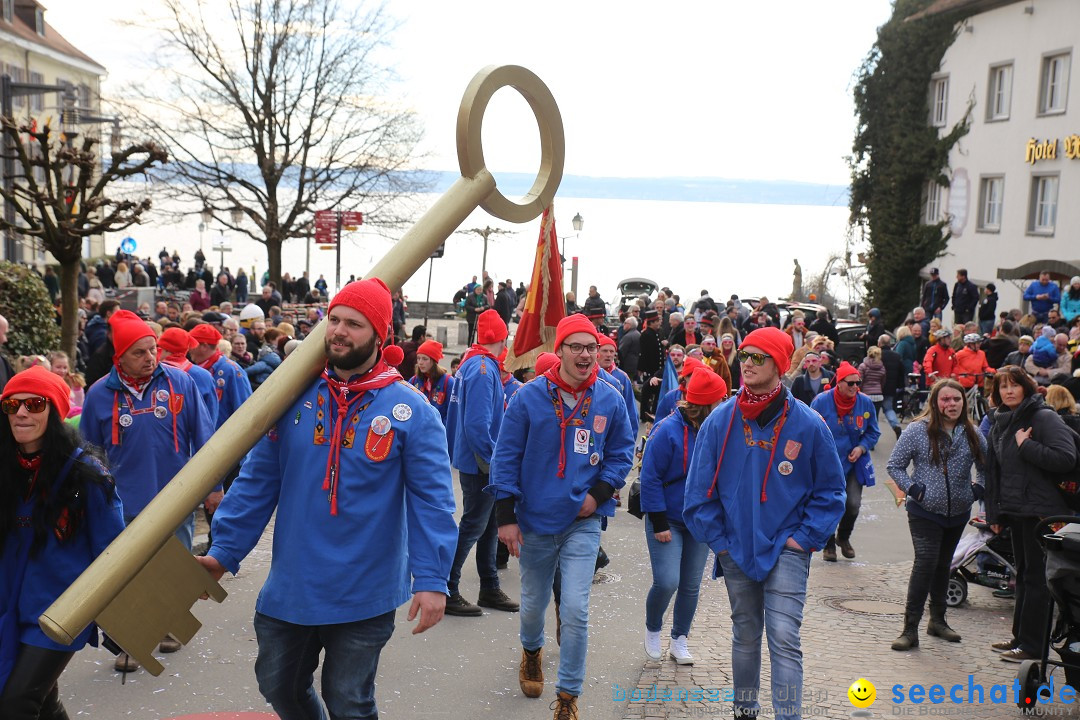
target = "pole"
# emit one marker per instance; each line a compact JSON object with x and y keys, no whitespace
{"x":427,"y":300}
{"x":307,"y":257}
{"x":337,"y":280}
{"x":9,"y":171}
{"x":573,"y":276}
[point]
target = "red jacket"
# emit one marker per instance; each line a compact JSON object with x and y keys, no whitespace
{"x":967,"y":364}
{"x":941,"y":360}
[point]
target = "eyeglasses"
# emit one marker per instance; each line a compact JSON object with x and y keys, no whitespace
{"x":756,"y":358}
{"x":578,"y":348}
{"x":853,"y":383}
{"x":37,"y":404}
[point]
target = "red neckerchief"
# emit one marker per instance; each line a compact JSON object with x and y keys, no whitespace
{"x":482,"y":351}
{"x":208,"y":363}
{"x":843,"y":405}
{"x":775,"y":440}
{"x":553,"y":375}
{"x":30,"y":463}
{"x":137,"y":384}
{"x":153,"y":404}
{"x":178,"y":361}
{"x":345,"y":394}
{"x":751,"y":405}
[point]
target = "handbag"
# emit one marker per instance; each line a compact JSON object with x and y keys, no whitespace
{"x":864,"y":470}
{"x":633,"y":500}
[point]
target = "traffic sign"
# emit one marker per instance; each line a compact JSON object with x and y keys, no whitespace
{"x":352,"y":218}
{"x":128,"y":245}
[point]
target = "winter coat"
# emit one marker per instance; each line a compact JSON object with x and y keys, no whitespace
{"x":873,"y":378}
{"x":803,"y":390}
{"x":947,"y":494}
{"x":895,"y":374}
{"x":1070,"y":307}
{"x":905,"y":348}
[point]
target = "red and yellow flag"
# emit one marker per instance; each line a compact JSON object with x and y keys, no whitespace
{"x":545,"y":305}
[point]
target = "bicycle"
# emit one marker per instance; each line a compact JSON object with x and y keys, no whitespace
{"x":978,"y":407}
{"x":914,"y":397}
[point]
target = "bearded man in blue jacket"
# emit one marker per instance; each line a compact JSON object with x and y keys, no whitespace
{"x":358,"y":472}
{"x":765,"y":489}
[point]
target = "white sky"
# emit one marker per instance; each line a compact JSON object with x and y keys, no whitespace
{"x":748,"y":90}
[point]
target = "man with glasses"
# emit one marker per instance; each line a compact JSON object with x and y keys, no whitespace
{"x":765,"y":489}
{"x":852,"y":418}
{"x":565,"y":447}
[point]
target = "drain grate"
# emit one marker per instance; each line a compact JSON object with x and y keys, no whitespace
{"x":879,"y":606}
{"x":604,"y":578}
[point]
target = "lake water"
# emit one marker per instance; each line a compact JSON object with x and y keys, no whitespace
{"x":722,"y":247}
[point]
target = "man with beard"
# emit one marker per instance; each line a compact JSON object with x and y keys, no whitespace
{"x":358,"y":473}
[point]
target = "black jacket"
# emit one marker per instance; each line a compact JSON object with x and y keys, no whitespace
{"x":895,"y":375}
{"x":1020,"y":480}
{"x":826,"y":328}
{"x":651,"y":354}
{"x":988,"y":308}
{"x":965,"y":296}
{"x":802,"y":390}
{"x":935,"y":296}
{"x":594,"y":304}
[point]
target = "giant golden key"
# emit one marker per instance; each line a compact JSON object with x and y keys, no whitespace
{"x":144,"y":585}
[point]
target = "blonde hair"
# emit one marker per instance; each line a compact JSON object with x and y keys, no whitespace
{"x":1059,"y":398}
{"x":902,"y":332}
{"x":25,"y":362}
{"x":73,"y":379}
{"x":874,"y":352}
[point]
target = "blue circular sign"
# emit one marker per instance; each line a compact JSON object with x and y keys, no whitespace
{"x":128,"y":245}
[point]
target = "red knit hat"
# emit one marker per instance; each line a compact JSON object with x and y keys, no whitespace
{"x":606,"y":340}
{"x":127,"y":329}
{"x":432,"y":349}
{"x":689,"y":364}
{"x":205,"y":334}
{"x":490,"y":328}
{"x":176,"y":341}
{"x":571,"y":324}
{"x":545,"y":361}
{"x":371,"y":298}
{"x":705,"y":387}
{"x":393,"y":355}
{"x":775,"y":342}
{"x":39,"y":381}
{"x":844,"y":370}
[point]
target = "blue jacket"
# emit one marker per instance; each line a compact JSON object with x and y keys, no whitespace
{"x":859,"y":427}
{"x":1036,"y":288}
{"x":146,"y":457}
{"x":439,"y":397}
{"x":1069,"y":308}
{"x":755,"y":507}
{"x":395,"y":514}
{"x":509,"y":388}
{"x":664,"y":467}
{"x":204,"y":381}
{"x":476,"y":411}
{"x":232,"y":388}
{"x":258,"y":371}
{"x":526,"y":462}
{"x":96,"y":333}
{"x":622,"y":383}
{"x":666,"y":406}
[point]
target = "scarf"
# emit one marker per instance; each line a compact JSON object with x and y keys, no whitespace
{"x":30,"y":463}
{"x":751,"y":405}
{"x":345,"y":395}
{"x":178,"y":361}
{"x":481,"y":351}
{"x":136,"y":384}
{"x":208,"y":363}
{"x":553,"y":376}
{"x":844,"y":405}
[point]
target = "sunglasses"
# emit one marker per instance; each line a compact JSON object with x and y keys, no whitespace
{"x":853,"y":383}
{"x":756,"y":358}
{"x":10,"y":406}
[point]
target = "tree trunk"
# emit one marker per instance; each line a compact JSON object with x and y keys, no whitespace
{"x":273,"y":255}
{"x":69,"y":307}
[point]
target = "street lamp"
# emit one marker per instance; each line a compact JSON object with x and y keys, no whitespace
{"x":578,"y":222}
{"x":207,"y":217}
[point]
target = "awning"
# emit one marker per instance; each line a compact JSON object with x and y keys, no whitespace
{"x":1060,"y":270}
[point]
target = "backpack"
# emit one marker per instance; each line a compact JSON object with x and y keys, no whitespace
{"x":1068,"y":483}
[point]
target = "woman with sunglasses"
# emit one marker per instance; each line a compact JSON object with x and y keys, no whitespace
{"x":58,"y":511}
{"x":943,"y":444}
{"x":852,"y":419}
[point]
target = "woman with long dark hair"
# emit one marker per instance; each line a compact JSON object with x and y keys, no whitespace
{"x":943,"y":444}
{"x":431,"y":378}
{"x":58,"y":511}
{"x":1029,"y":445}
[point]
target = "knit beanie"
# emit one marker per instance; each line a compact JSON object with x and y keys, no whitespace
{"x":127,"y":329}
{"x":39,"y":381}
{"x":205,"y":334}
{"x":545,"y":361}
{"x":176,"y":341}
{"x":573,"y":324}
{"x":607,"y":340}
{"x":371,"y":298}
{"x":689,"y":364}
{"x":490,"y":328}
{"x":844,"y":370}
{"x":705,"y":387}
{"x":776,"y":343}
{"x":432,"y":349}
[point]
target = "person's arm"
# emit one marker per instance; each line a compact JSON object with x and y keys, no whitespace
{"x":1050,"y":446}
{"x":1030,"y":292}
{"x":654,"y":463}
{"x":902,"y":456}
{"x":703,"y":512}
{"x":825,"y":506}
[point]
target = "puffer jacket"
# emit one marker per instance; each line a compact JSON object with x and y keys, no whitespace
{"x":873,"y":378}
{"x":947,"y":499}
{"x":1020,"y":481}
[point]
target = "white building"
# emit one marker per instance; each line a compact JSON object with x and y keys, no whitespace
{"x":1014,"y":172}
{"x":31,"y":51}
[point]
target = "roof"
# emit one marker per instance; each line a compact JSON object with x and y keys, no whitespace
{"x":52,"y":39}
{"x":967,"y":7}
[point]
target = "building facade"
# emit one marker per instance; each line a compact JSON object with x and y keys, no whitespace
{"x":1014,"y":173}
{"x":32,"y":51}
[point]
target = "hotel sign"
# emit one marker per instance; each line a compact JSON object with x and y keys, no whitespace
{"x":1039,"y":150}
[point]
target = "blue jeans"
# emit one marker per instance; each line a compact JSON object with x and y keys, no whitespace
{"x":777,"y":605}
{"x":676,"y":566}
{"x":478,"y":528}
{"x":185,"y":533}
{"x":888,"y":406}
{"x":289,"y":655}
{"x":573,"y":551}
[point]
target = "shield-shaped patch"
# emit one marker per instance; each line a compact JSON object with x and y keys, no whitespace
{"x":599,"y":423}
{"x":791,"y":449}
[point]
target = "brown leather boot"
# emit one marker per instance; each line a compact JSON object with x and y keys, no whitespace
{"x":565,"y":707}
{"x":909,"y":638}
{"x":939,"y":628}
{"x":531,"y":673}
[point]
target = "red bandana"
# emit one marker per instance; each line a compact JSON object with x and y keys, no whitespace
{"x":178,"y":361}
{"x":553,"y":375}
{"x":31,"y":463}
{"x":137,"y":384}
{"x":844,"y":405}
{"x":751,"y":405}
{"x":208,"y":363}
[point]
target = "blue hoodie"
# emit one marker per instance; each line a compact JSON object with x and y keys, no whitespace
{"x":755,"y":507}
{"x":664,"y":467}
{"x":476,"y":411}
{"x":858,"y":428}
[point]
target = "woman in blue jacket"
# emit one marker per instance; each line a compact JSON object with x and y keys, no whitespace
{"x":431,"y":379}
{"x":58,"y":511}
{"x":677,"y":558}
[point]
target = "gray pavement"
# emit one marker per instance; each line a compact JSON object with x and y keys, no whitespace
{"x":467,"y":667}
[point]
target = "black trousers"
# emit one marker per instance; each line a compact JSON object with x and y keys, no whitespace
{"x":1031,"y":612}
{"x":934,"y":546}
{"x":851,"y":510}
{"x":31,"y":692}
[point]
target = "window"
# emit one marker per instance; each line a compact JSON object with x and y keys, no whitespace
{"x":991,"y":192}
{"x":18,"y":75}
{"x":1054,"y":84}
{"x":83,"y":101}
{"x":932,"y":207}
{"x":939,"y":100}
{"x":999,"y":94}
{"x":1042,"y":210}
{"x":37,"y":101}
{"x":39,"y":21}
{"x":9,"y":10}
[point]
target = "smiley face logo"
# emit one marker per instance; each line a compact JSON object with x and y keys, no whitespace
{"x":862,"y":693}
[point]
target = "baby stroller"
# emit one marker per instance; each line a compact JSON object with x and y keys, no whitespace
{"x":1062,"y":550}
{"x":983,"y":558}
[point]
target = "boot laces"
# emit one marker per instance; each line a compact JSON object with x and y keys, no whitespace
{"x":565,"y":708}
{"x":532,"y":665}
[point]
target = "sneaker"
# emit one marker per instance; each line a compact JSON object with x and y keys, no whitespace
{"x":125,"y":663}
{"x":457,"y":605}
{"x":652,"y":644}
{"x":565,"y":707}
{"x":496,"y":599}
{"x":531,"y":673}
{"x":1016,"y":655}
{"x":679,"y":652}
{"x":829,"y":554}
{"x":169,"y":645}
{"x":1004,"y":645}
{"x":1005,"y":593}
{"x":846,"y":549}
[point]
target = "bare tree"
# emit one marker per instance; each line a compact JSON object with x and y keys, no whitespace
{"x":485,"y":232}
{"x":59,"y":192}
{"x":274,"y":109}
